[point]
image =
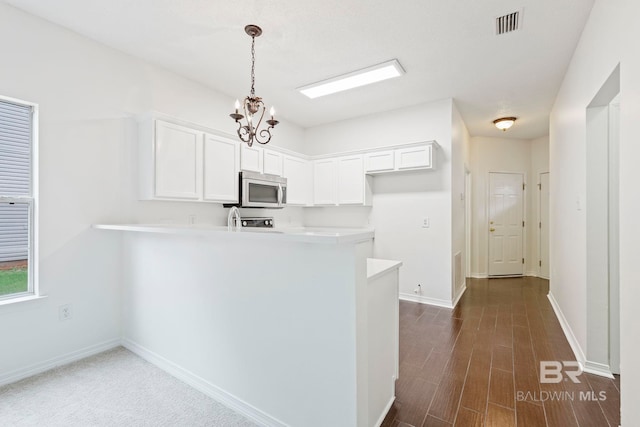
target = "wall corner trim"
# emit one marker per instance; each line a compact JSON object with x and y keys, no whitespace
{"x":203,"y":385}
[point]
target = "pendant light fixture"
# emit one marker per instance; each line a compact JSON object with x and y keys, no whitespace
{"x":252,"y":105}
{"x":504,"y":123}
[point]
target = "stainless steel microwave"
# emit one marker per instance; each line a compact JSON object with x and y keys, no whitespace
{"x":258,"y":190}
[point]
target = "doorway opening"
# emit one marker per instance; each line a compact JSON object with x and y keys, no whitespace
{"x":602,"y":205}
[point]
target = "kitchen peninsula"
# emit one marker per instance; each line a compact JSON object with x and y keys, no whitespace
{"x":273,"y":323}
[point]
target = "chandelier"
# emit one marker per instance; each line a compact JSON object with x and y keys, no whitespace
{"x":252,"y":105}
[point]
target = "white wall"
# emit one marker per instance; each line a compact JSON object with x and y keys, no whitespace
{"x":401,"y":201}
{"x":505,"y":155}
{"x":88,"y":95}
{"x":192,"y":305}
{"x":604,"y":44}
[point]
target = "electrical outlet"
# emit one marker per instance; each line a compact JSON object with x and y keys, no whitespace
{"x":65,"y":312}
{"x":192,"y":219}
{"x":425,"y":222}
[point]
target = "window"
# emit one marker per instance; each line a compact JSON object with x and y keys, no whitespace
{"x":17,"y":198}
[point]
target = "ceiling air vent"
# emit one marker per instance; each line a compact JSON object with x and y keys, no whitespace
{"x":509,"y":22}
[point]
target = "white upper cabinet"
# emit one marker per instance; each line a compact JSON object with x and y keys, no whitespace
{"x":341,"y":181}
{"x":298,"y":172}
{"x":251,"y":158}
{"x":324,"y":182}
{"x":414,"y":157}
{"x":272,"y":162}
{"x":261,"y":160}
{"x":379,"y":161}
{"x":183,"y":161}
{"x":177,"y":161}
{"x":352,"y":187}
{"x":221,"y":166}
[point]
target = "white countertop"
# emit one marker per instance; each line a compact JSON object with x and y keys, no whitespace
{"x":290,"y":234}
{"x":377,"y":267}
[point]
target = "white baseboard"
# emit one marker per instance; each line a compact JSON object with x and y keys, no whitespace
{"x":425,"y":300}
{"x":204,"y":386}
{"x":598,"y":369}
{"x":385,"y":412}
{"x":531,"y":274}
{"x":479,"y":276}
{"x":38,"y":368}
{"x":586,"y":365}
{"x":461,"y":292}
{"x":568,"y":333}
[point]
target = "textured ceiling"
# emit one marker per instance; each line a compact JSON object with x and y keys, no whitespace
{"x":448,"y":48}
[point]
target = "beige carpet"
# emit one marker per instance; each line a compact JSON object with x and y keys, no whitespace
{"x":115,"y":388}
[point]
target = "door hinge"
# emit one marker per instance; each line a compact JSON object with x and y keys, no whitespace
{"x":523,"y":260}
{"x":523,"y":186}
{"x":540,"y":225}
{"x":523,"y":223}
{"x":540,"y":263}
{"x":540,"y":186}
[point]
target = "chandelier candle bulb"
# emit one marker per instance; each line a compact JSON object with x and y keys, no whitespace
{"x":272,"y":112}
{"x":237,"y":105}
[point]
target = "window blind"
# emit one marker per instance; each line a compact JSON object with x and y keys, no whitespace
{"x":15,"y":149}
{"x":15,"y":179}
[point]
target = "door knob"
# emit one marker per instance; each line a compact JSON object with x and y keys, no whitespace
{"x":492,"y":229}
{"x":490,"y":222}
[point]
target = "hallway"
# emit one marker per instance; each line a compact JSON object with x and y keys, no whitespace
{"x":477,"y":365}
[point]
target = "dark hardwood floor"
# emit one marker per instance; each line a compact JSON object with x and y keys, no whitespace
{"x":478,"y":364}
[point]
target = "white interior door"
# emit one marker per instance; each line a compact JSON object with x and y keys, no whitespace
{"x":544,"y":225}
{"x":506,"y":224}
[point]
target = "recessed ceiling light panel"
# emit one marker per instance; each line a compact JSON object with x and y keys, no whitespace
{"x":376,"y":73}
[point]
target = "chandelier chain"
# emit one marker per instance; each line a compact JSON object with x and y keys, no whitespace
{"x":253,"y":65}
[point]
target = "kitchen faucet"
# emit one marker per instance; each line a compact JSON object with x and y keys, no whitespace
{"x":233,"y":219}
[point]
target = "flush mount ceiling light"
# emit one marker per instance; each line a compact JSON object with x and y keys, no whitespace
{"x":504,"y":123}
{"x":252,"y":105}
{"x":376,"y":73}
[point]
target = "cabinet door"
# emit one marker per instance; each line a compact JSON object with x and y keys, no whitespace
{"x":298,"y":174}
{"x":351,"y":180}
{"x":221,"y":167}
{"x":272,"y":162}
{"x":414,"y":157}
{"x":324,"y":182}
{"x":379,"y":161}
{"x":177,"y":161}
{"x":251,"y":158}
